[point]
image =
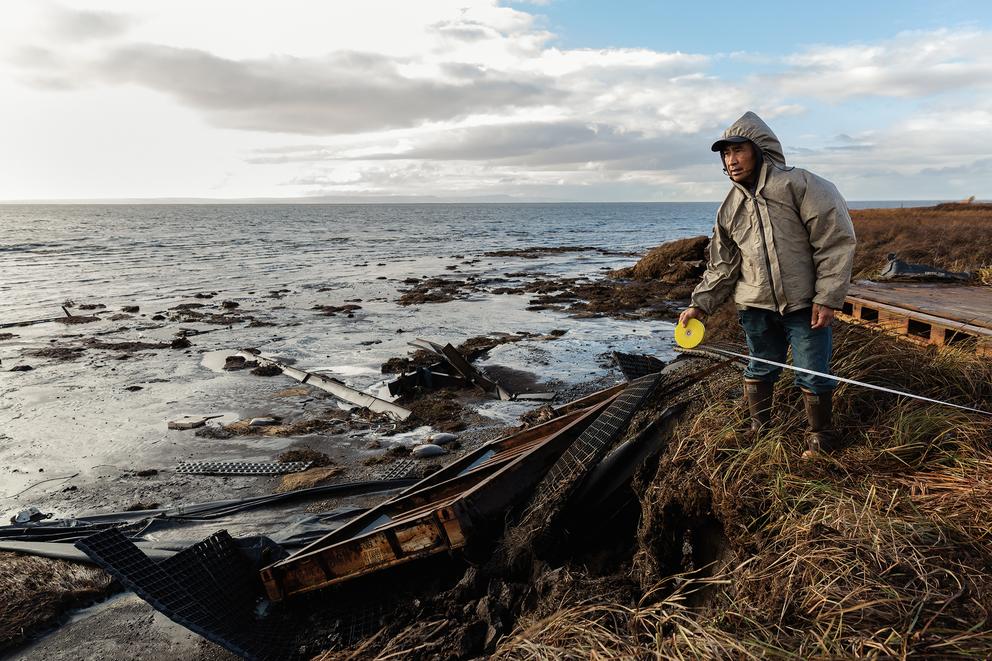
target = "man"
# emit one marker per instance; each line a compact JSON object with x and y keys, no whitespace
{"x":783,"y":246}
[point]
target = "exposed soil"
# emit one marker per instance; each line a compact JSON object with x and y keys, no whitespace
{"x":543,"y":251}
{"x":267,"y":370}
{"x":435,"y":290}
{"x":58,"y":353}
{"x":399,"y":365}
{"x":440,"y":409}
{"x":76,"y":319}
{"x":330,"y":420}
{"x":126,"y":346}
{"x":671,"y":262}
{"x":332,"y":310}
{"x":306,"y":453}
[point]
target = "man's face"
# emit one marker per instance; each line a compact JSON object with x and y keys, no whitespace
{"x":740,"y":160}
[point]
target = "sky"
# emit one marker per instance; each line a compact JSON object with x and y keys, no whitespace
{"x":551,"y":100}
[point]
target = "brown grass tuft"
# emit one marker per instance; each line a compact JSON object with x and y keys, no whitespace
{"x":670,"y":262}
{"x":36,"y":591}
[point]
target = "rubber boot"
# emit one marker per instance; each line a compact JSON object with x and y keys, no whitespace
{"x":819,"y":412}
{"x":759,"y":404}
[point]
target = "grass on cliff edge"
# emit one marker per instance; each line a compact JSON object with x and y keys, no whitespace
{"x":883,"y":550}
{"x":952,"y":236}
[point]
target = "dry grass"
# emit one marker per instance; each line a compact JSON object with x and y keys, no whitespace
{"x":882,"y":550}
{"x":36,"y":591}
{"x":307,"y":479}
{"x":957,"y":237}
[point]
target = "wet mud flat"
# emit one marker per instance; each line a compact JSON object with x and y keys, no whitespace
{"x":108,"y":402}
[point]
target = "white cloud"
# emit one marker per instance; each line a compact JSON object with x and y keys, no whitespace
{"x":452,"y":96}
{"x":913,"y":64}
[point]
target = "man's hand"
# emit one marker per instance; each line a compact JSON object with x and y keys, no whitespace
{"x":822,"y":316}
{"x":690,"y":313}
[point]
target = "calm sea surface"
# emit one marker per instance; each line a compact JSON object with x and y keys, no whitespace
{"x":51,"y":253}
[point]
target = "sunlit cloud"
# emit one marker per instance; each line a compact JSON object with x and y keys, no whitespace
{"x":380,"y":98}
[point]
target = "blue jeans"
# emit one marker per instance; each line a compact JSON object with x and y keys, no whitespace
{"x":769,"y":336}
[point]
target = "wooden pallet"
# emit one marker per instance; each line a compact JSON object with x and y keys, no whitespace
{"x":925,"y":313}
{"x":438,"y":514}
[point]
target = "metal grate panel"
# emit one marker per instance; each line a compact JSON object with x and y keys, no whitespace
{"x":592,"y":444}
{"x":209,"y":588}
{"x":634,"y":366}
{"x":242,"y":467}
{"x":398,"y":470}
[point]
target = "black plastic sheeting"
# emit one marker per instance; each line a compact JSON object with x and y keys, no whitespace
{"x":276,"y":515}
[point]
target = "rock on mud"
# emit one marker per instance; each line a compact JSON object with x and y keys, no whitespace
{"x":232,"y":363}
{"x":428,"y":450}
{"x":443,"y":438}
{"x":267,"y":370}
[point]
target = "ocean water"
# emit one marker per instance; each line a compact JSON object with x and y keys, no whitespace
{"x":155,"y":252}
{"x":52,"y":253}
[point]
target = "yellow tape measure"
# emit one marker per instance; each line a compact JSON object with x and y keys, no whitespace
{"x":689,"y":335}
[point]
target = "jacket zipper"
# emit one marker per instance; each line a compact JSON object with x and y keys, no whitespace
{"x":764,"y":248}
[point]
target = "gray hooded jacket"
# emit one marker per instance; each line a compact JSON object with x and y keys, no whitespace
{"x":783,"y":248}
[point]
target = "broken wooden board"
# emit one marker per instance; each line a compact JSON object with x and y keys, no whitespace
{"x":190,"y":422}
{"x":437,"y":515}
{"x":429,"y":377}
{"x":336,"y":388}
{"x":457,"y":362}
{"x":925,"y":313}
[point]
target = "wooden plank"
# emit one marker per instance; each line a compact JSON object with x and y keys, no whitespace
{"x":462,"y":470}
{"x":918,"y":327}
{"x":957,"y":303}
{"x":374,"y":552}
{"x":428,"y":521}
{"x":892,"y":311}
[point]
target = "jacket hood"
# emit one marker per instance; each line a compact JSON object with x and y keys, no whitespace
{"x":753,"y":128}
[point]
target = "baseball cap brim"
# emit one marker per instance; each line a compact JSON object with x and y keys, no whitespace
{"x":734,"y":139}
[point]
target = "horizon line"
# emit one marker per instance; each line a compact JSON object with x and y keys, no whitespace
{"x":164,"y":201}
